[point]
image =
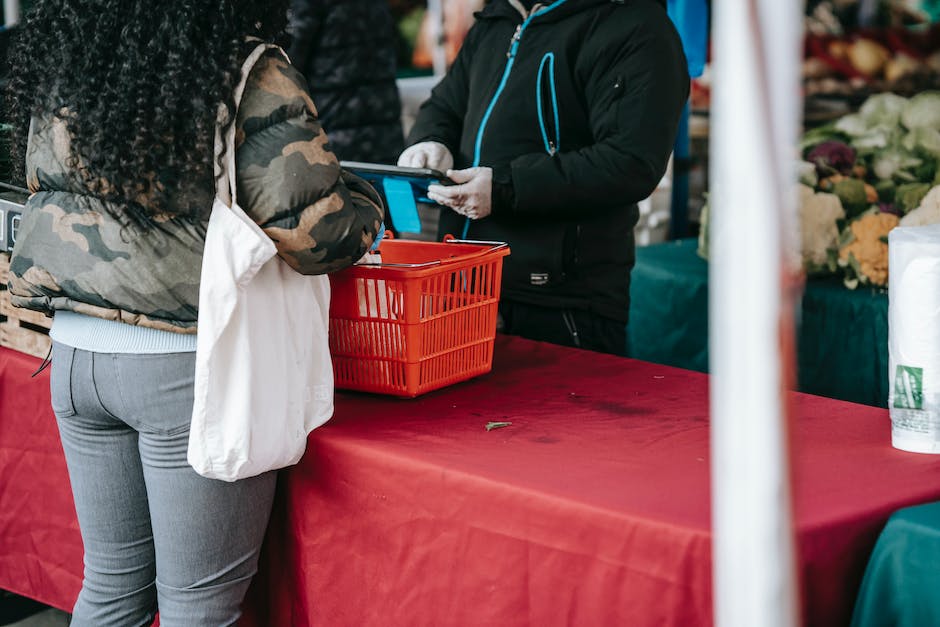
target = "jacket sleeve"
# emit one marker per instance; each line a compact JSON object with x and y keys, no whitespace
{"x":634,"y":93}
{"x":441,"y":116}
{"x":321,"y":218}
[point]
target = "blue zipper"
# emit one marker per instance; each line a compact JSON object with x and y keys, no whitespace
{"x":548,"y":59}
{"x":513,"y":49}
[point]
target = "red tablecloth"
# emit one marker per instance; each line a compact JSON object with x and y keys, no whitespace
{"x":592,"y":508}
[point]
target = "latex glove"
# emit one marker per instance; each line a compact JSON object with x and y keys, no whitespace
{"x":472,"y":196}
{"x":434,"y":155}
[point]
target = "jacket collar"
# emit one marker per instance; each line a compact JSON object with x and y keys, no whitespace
{"x":495,"y":9}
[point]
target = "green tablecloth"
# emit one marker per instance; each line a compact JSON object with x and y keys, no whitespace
{"x":842,"y":335}
{"x":902,"y":579}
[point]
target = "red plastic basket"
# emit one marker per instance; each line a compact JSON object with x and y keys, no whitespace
{"x":423,"y":319}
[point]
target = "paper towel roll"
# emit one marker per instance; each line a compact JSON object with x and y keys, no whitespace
{"x":914,"y":338}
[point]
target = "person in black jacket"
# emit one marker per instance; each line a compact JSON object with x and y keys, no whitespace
{"x":347,"y":51}
{"x":559,"y":118}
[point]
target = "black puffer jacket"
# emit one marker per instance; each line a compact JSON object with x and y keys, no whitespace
{"x":346,"y":49}
{"x":576,"y":109}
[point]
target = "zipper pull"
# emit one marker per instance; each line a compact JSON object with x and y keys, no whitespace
{"x":551,"y":148}
{"x":514,"y":41}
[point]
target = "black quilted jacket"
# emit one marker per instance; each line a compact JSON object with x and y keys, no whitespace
{"x":346,"y":50}
{"x":577,"y":108}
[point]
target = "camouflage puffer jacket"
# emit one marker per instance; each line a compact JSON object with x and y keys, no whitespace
{"x":73,"y":255}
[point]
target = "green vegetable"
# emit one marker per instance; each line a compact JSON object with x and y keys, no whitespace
{"x":883,"y":109}
{"x":928,"y":212}
{"x":853,"y":270}
{"x":875,"y":126}
{"x":922,"y":111}
{"x":888,"y":163}
{"x":908,"y":196}
{"x":876,"y":139}
{"x":885,"y":190}
{"x":846,"y":237}
{"x":852,"y":194}
{"x":853,"y":125}
{"x":923,"y":140}
{"x":821,"y":134}
{"x":927,"y":170}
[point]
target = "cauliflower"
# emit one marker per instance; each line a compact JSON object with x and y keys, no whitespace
{"x":863,"y":252}
{"x":807,"y":173}
{"x":927,"y":213}
{"x":818,"y":230}
{"x":703,"y":232}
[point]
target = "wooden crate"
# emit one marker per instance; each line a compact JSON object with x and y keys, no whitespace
{"x":21,"y":329}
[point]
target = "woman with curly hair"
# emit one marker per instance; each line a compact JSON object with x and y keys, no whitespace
{"x":116,"y":105}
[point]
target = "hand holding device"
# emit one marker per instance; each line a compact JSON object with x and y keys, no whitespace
{"x":434,"y":155}
{"x":471,"y":195}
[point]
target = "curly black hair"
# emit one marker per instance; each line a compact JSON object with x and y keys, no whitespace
{"x":139,"y":84}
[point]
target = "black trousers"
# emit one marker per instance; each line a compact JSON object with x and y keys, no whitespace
{"x":567,"y":327}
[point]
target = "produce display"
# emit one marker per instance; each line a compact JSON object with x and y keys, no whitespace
{"x":900,"y":60}
{"x":861,"y":176}
{"x":841,"y":70}
{"x":855,"y":49}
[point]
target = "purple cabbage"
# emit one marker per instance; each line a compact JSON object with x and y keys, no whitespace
{"x":831,"y":157}
{"x":887,"y":207}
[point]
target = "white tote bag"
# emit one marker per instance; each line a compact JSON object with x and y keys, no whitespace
{"x":264,"y":378}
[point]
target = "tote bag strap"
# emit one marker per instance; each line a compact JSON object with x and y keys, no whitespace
{"x":228,"y":145}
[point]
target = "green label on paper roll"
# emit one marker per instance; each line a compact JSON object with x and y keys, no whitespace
{"x":909,"y":387}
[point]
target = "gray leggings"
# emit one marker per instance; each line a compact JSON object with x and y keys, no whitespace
{"x":156,"y":534}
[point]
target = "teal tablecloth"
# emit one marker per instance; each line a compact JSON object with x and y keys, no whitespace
{"x":842,"y":334}
{"x":903,"y":575}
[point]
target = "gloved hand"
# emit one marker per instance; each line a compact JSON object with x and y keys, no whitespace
{"x":472,"y":196}
{"x":434,"y":155}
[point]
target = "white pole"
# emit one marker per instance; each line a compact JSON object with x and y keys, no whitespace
{"x":438,"y":37}
{"x":11,"y":12}
{"x":756,"y":113}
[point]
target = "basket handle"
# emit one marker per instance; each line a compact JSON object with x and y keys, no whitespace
{"x":448,"y":239}
{"x":426,"y":264}
{"x":389,"y":235}
{"x":493,"y":246}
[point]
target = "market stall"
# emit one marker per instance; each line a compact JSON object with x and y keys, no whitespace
{"x":593,"y":501}
{"x":842,"y":336}
{"x":565,"y":487}
{"x":862,"y":174}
